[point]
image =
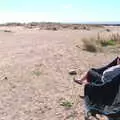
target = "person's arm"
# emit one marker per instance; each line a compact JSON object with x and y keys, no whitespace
{"x":102,"y":69}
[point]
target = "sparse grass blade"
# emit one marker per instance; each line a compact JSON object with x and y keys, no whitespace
{"x":67,"y":104}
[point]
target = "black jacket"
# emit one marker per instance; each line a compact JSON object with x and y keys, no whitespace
{"x":103,"y":98}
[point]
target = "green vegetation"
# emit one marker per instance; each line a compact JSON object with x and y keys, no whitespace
{"x":98,"y":43}
{"x":107,"y":43}
{"x":37,"y":73}
{"x":67,"y":104}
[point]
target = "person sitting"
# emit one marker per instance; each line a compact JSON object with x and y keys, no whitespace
{"x":101,"y":75}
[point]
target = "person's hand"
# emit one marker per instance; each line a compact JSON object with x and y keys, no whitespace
{"x":118,"y":61}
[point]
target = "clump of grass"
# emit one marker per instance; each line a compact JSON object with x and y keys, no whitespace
{"x":107,"y":43}
{"x":108,"y":30}
{"x":51,"y":28}
{"x":54,"y":29}
{"x":75,"y":28}
{"x":85,"y":27}
{"x":96,"y":44}
{"x":90,"y":45}
{"x":67,"y":104}
{"x":115,"y":37}
{"x":7,"y":31}
{"x":37,"y":73}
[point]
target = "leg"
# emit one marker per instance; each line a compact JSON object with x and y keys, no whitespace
{"x":90,"y":76}
{"x":93,"y":76}
{"x":80,"y":81}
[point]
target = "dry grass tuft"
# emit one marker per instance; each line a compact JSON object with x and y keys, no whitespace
{"x":7,"y":31}
{"x":115,"y":37}
{"x":91,"y":45}
{"x":54,"y":29}
{"x":108,"y":30}
{"x":96,"y":44}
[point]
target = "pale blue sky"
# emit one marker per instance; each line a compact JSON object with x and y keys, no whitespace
{"x":59,"y":11}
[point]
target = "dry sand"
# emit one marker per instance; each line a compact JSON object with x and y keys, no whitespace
{"x":34,"y":67}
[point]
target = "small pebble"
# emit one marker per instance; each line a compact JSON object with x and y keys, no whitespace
{"x":72,"y":72}
{"x":5,"y":78}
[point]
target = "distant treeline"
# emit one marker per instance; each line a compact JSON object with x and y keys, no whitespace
{"x":39,"y":23}
{"x":54,"y":23}
{"x":111,"y":24}
{"x":58,"y":26}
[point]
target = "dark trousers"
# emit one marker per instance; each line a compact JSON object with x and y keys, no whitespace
{"x":94,"y":74}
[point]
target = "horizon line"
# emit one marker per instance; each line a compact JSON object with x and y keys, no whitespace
{"x":57,"y":22}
